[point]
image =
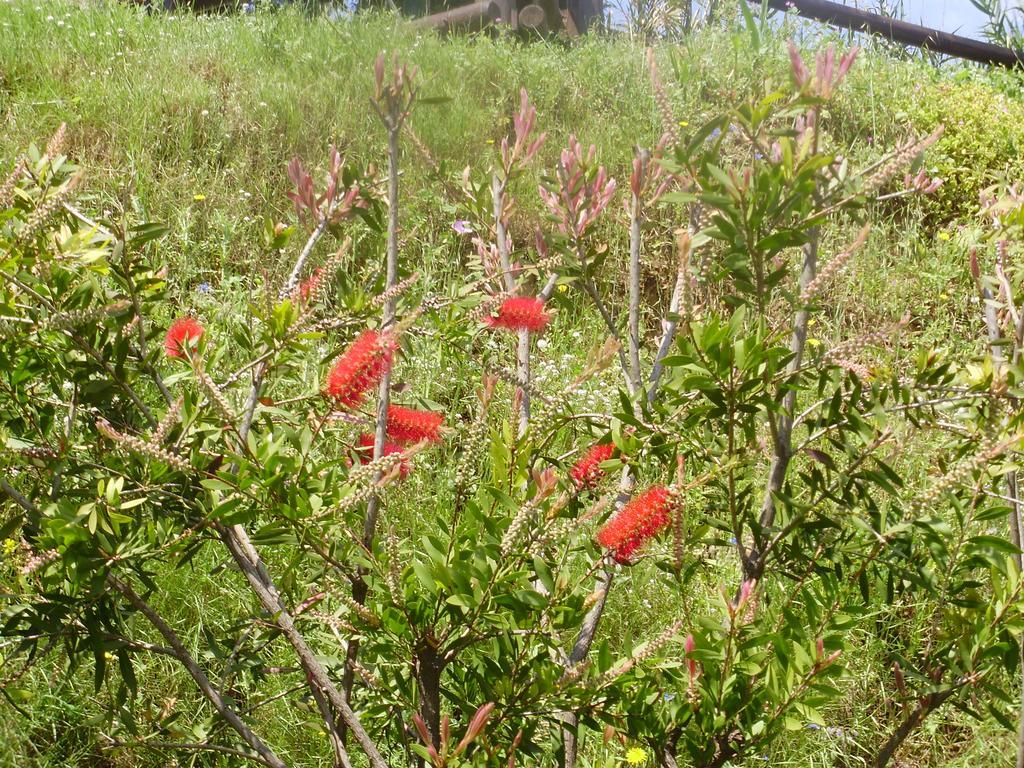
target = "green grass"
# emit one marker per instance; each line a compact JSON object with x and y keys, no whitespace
{"x":191,"y":121}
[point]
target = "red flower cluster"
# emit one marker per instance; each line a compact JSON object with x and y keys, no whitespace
{"x":520,"y":313}
{"x":587,"y":472}
{"x":407,"y":425}
{"x":362,"y":366}
{"x":643,"y":518}
{"x":309,"y":287}
{"x":183,"y":334}
{"x":365,"y":451}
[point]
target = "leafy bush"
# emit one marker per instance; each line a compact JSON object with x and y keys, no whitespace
{"x":132,"y":451}
{"x":983,"y":138}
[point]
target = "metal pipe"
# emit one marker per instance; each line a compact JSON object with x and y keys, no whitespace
{"x":900,"y":31}
{"x":474,"y":16}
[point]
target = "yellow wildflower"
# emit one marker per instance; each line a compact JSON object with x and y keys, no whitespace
{"x":636,"y":756}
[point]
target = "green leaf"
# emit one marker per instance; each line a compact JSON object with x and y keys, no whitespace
{"x":543,"y":573}
{"x":425,"y":575}
{"x":141,"y":234}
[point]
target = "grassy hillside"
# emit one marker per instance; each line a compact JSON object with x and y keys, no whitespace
{"x":192,"y":120}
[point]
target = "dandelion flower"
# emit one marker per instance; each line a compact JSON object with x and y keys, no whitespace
{"x":362,"y":366}
{"x":520,"y":313}
{"x":407,"y":425}
{"x":183,"y":334}
{"x":636,"y":756}
{"x":643,"y":518}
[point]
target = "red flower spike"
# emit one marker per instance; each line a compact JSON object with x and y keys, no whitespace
{"x":587,"y":472}
{"x":643,"y":518}
{"x":407,"y":425}
{"x":689,"y":646}
{"x":365,"y":451}
{"x":183,"y":334}
{"x":309,"y":287}
{"x":362,"y":366}
{"x":520,"y":313}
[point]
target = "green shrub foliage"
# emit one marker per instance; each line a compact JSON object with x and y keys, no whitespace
{"x":732,"y":457}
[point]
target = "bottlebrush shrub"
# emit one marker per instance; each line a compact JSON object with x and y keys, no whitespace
{"x":450,"y":610}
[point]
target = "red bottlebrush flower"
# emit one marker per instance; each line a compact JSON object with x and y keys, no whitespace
{"x":407,"y":425}
{"x":362,"y":366}
{"x":587,"y":472}
{"x":309,"y":287}
{"x":643,"y":518}
{"x":183,"y":334}
{"x":365,"y":451}
{"x":520,"y":313}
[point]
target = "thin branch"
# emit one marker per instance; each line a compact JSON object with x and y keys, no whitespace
{"x":341,"y":758}
{"x":393,"y":123}
{"x":591,"y":291}
{"x":249,"y":561}
{"x":88,"y":222}
{"x":585,"y":639}
{"x":635,"y":242}
{"x":16,"y":497}
{"x":265,"y":753}
{"x":498,"y":189}
{"x":782,"y":448}
{"x":139,"y":645}
{"x":926,"y":706}
{"x":293,"y":279}
{"x":670,"y":324}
